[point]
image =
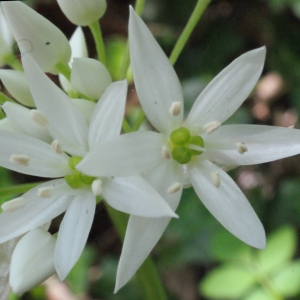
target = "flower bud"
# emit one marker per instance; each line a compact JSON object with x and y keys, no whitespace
{"x":32,"y":261}
{"x":83,"y":12}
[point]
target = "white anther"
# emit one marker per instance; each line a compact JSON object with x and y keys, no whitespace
{"x":97,"y":187}
{"x":165,"y":152}
{"x":211,"y":126}
{"x":242,"y":148}
{"x":45,"y":192}
{"x":39,"y":118}
{"x":20,"y":159}
{"x":215,"y":177}
{"x":55,"y":145}
{"x":175,"y":187}
{"x":175,"y":108}
{"x":13,"y":204}
{"x":292,"y":126}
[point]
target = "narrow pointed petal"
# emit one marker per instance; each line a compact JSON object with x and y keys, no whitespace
{"x":19,"y":117}
{"x":108,"y":115}
{"x":73,"y":233}
{"x":227,"y":91}
{"x":227,"y":203}
{"x":135,"y":196}
{"x":86,"y":108}
{"x":66,"y":123}
{"x":36,"y":212}
{"x":128,"y":154}
{"x":90,"y":77}
{"x":16,"y":84}
{"x":263,"y":144}
{"x":42,"y":160}
{"x":83,"y":12}
{"x":142,"y":234}
{"x":79,"y":49}
{"x":37,"y":36}
{"x":156,"y":82}
{"x":32,"y":261}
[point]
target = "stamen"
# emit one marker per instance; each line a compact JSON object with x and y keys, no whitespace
{"x":97,"y":187}
{"x":165,"y":152}
{"x":242,"y":148}
{"x":45,"y":192}
{"x":211,"y":126}
{"x":215,"y":177}
{"x":55,"y":145}
{"x":175,"y":187}
{"x":39,"y":118}
{"x":292,"y":126}
{"x":13,"y":204}
{"x":197,"y":148}
{"x":175,"y":108}
{"x":20,"y":159}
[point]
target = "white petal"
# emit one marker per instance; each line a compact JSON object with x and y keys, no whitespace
{"x":37,"y":36}
{"x":73,"y":233}
{"x":32,"y":261}
{"x":5,"y":124}
{"x":35,"y":213}
{"x":67,"y":124}
{"x":19,"y":117}
{"x":227,"y":91}
{"x":227,"y":203}
{"x":83,"y":12}
{"x":156,"y":82}
{"x":90,"y":77}
{"x":43,"y":161}
{"x":135,"y":196}
{"x":264,"y":144}
{"x":108,"y":115}
{"x":128,"y":154}
{"x":16,"y":84}
{"x":86,"y":108}
{"x":142,"y":234}
{"x":6,"y":40}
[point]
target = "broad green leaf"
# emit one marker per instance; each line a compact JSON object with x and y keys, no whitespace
{"x":288,"y":279}
{"x":227,"y":282}
{"x":281,"y":246}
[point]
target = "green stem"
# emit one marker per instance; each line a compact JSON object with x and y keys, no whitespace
{"x":138,"y":121}
{"x":147,"y":274}
{"x":125,"y":126}
{"x":13,"y":62}
{"x":97,"y":34}
{"x":64,"y":69}
{"x":139,"y":6}
{"x":193,"y":20}
{"x":18,"y":189}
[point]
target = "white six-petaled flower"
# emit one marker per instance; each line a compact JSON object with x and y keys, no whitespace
{"x":71,"y":138}
{"x":192,"y":151}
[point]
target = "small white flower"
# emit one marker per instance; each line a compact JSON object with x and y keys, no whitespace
{"x":70,"y":134}
{"x":193,"y":145}
{"x":37,"y":36}
{"x":83,"y":12}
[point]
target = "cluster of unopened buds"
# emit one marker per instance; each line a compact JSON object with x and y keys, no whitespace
{"x":72,"y":135}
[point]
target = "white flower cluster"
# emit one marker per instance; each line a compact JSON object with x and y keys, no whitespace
{"x":77,"y":143}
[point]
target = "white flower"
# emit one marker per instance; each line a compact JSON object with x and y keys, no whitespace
{"x":32,"y":261}
{"x":197,"y":147}
{"x":37,"y":36}
{"x":83,"y":12}
{"x":75,"y":193}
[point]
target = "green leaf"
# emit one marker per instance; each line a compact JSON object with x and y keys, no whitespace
{"x":227,"y":282}
{"x":287,"y":281}
{"x":259,"y":294}
{"x":281,"y":246}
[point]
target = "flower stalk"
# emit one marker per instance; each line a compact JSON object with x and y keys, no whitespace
{"x":97,"y":34}
{"x":192,"y":22}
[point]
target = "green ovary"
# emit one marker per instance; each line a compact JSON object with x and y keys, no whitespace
{"x":181,"y":143}
{"x":76,"y":179}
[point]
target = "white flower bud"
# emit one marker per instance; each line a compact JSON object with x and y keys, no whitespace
{"x":32,"y":261}
{"x":83,"y":12}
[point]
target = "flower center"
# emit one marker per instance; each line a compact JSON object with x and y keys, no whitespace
{"x":76,"y":179}
{"x":184,"y":146}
